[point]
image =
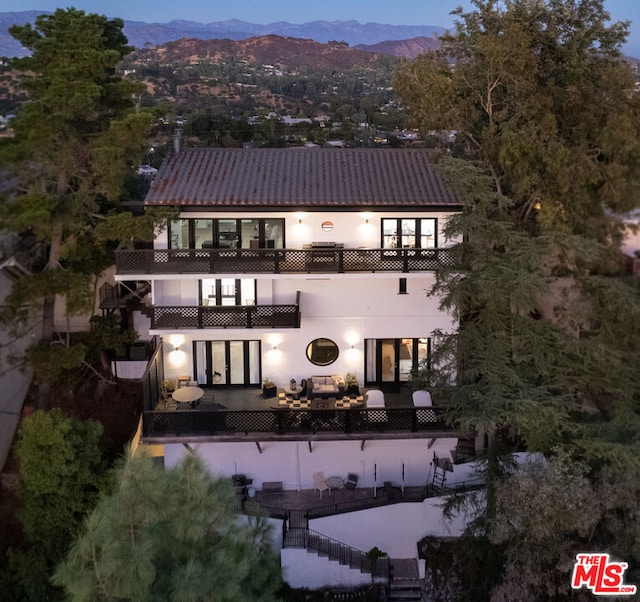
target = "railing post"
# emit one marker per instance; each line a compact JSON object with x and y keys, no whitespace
{"x":405,"y":260}
{"x":340,"y":261}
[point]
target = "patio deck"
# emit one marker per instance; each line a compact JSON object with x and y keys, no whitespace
{"x":245,"y":414}
{"x":251,"y":398}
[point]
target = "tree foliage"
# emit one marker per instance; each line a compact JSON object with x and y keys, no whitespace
{"x":544,"y":101}
{"x":170,"y":535}
{"x":547,"y":353}
{"x":62,"y":471}
{"x":75,"y":140}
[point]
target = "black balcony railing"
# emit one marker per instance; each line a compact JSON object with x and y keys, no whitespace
{"x":280,"y":261}
{"x":225,"y":316}
{"x":199,"y":423}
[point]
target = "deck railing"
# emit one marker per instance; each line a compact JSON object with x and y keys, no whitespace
{"x":225,"y":316}
{"x":198,"y":423}
{"x":280,"y":261}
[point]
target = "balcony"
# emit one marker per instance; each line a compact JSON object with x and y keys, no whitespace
{"x":280,"y":261}
{"x":294,"y":424}
{"x":225,"y":316}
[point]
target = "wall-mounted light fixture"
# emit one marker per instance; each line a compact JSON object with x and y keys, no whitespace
{"x":274,"y":348}
{"x":176,"y":347}
{"x":299,"y":220}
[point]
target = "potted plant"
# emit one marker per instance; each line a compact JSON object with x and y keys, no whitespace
{"x":373,"y":555}
{"x":269,"y":388}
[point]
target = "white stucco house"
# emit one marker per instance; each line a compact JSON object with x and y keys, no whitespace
{"x":304,"y":264}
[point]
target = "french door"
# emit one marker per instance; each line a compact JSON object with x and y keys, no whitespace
{"x":389,"y":362}
{"x":226,"y":363}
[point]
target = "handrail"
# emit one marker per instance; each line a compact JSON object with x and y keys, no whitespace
{"x":225,"y":316}
{"x":337,"y":550}
{"x":411,"y":495}
{"x":281,"y":261}
{"x":205,"y":422}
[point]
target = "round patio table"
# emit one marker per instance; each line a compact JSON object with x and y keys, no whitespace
{"x":334,"y":482}
{"x":187,"y":395}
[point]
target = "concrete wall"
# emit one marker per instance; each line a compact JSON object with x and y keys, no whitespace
{"x":294,"y":464}
{"x":395,"y":529}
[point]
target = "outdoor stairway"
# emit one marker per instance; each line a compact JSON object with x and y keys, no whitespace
{"x":465,"y":451}
{"x":404,"y":584}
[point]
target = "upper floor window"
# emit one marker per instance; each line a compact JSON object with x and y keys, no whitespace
{"x":226,"y":233}
{"x":228,"y":291}
{"x":402,"y":232}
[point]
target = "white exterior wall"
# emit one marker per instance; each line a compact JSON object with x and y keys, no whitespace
{"x":394,"y":529}
{"x":294,"y":464}
{"x":350,"y":228}
{"x":347,"y":308}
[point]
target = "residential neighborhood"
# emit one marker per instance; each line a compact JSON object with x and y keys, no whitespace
{"x":290,"y":321}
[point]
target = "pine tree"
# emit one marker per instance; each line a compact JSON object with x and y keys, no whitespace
{"x":170,"y":535}
{"x":75,"y":139}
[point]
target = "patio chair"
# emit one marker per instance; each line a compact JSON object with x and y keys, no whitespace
{"x":319,"y":484}
{"x":421,"y":398}
{"x":375,"y":400}
{"x":352,"y":481}
{"x":422,"y":401}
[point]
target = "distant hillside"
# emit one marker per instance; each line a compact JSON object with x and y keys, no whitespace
{"x":408,"y":49}
{"x":286,"y":52}
{"x":140,"y":34}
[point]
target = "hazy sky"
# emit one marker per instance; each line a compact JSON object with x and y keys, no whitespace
{"x":393,"y":12}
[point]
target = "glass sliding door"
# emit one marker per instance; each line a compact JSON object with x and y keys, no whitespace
{"x":392,"y":361}
{"x":224,"y":363}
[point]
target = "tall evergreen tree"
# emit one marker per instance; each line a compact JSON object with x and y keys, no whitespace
{"x":170,"y":535}
{"x":547,"y":353}
{"x":75,"y":140}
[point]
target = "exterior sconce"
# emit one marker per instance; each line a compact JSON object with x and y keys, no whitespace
{"x":274,"y":348}
{"x":300,"y":220}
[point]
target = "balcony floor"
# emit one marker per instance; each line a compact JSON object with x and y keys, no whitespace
{"x":250,"y":398}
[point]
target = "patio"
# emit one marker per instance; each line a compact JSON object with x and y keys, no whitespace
{"x":251,"y":398}
{"x":245,"y":414}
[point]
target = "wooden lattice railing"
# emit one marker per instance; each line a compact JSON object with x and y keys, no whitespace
{"x":225,"y":316}
{"x":280,"y":261}
{"x":196,"y":422}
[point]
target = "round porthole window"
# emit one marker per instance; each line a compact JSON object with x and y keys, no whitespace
{"x":322,"y":352}
{"x":327,"y":226}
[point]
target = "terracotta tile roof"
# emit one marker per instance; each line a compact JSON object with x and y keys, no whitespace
{"x":300,"y":178}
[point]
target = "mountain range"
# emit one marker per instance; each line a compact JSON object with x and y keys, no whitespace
{"x":142,"y":34}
